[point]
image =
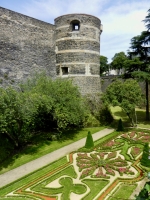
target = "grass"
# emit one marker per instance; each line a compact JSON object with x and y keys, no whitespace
{"x":118,"y":113}
{"x":33,"y":176}
{"x":20,"y":198}
{"x":95,"y":187}
{"x":69,"y":172}
{"x":42,"y":146}
{"x":124,"y":190}
{"x":125,"y":150}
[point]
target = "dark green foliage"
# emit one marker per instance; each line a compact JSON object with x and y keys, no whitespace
{"x":106,"y":117}
{"x":147,"y":20}
{"x":143,"y":195}
{"x":89,"y":141}
{"x":120,"y":125}
{"x":144,"y":160}
{"x":104,"y":67}
{"x":140,"y":48}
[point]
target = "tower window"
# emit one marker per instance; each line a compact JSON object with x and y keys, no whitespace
{"x":64,"y":70}
{"x":75,"y":25}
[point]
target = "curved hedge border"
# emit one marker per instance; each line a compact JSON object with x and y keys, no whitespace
{"x":34,"y":181}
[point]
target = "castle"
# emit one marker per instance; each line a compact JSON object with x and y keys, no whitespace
{"x":69,"y":49}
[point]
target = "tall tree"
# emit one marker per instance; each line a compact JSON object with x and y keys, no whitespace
{"x":141,"y":71}
{"x":104,"y":67}
{"x":147,"y":20}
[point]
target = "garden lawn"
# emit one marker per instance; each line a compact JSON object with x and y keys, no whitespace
{"x":41,"y":146}
{"x":95,"y":186}
{"x":124,"y":191}
{"x":118,"y":113}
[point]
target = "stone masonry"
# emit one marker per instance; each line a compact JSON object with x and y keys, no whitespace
{"x":68,"y":49}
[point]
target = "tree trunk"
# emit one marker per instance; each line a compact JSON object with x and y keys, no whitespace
{"x":147,"y":101}
{"x":135,"y":117}
{"x":131,"y":119}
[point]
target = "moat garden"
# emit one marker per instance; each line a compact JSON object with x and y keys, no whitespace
{"x":109,"y":170}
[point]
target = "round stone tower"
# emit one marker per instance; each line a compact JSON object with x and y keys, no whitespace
{"x":78,"y":51}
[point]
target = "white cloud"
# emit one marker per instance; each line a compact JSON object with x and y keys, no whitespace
{"x":50,"y":9}
{"x":122,"y":19}
{"x":121,"y":22}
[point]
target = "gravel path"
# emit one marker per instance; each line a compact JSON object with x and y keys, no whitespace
{"x":36,"y":164}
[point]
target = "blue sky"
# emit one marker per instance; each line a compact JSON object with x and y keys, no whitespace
{"x":121,"y":19}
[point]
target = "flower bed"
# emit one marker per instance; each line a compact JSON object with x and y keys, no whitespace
{"x":135,"y":151}
{"x":109,"y":161}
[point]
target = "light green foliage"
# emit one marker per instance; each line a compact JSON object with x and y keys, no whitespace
{"x":145,"y":161}
{"x":59,"y":104}
{"x":104,"y":67}
{"x":89,"y":141}
{"x":95,"y":186}
{"x":124,"y":190}
{"x":15,"y":118}
{"x":118,"y":61}
{"x":91,"y":121}
{"x":126,"y":94}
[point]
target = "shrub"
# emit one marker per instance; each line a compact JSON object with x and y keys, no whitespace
{"x":59,"y":104}
{"x":145,"y":156}
{"x":91,"y":121}
{"x":89,"y":141}
{"x":120,"y":125}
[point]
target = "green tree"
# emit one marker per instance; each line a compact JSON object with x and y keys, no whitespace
{"x":60,"y":104}
{"x":140,"y":48}
{"x":104,"y":66}
{"x":142,"y":69}
{"x":147,"y":20}
{"x":117,"y":61}
{"x":16,"y":117}
{"x":145,"y":161}
{"x":125,"y":94}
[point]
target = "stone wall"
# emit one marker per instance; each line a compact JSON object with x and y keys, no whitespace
{"x":87,"y":85}
{"x":27,"y":46}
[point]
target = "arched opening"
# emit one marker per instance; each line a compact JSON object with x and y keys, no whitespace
{"x":75,"y":25}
